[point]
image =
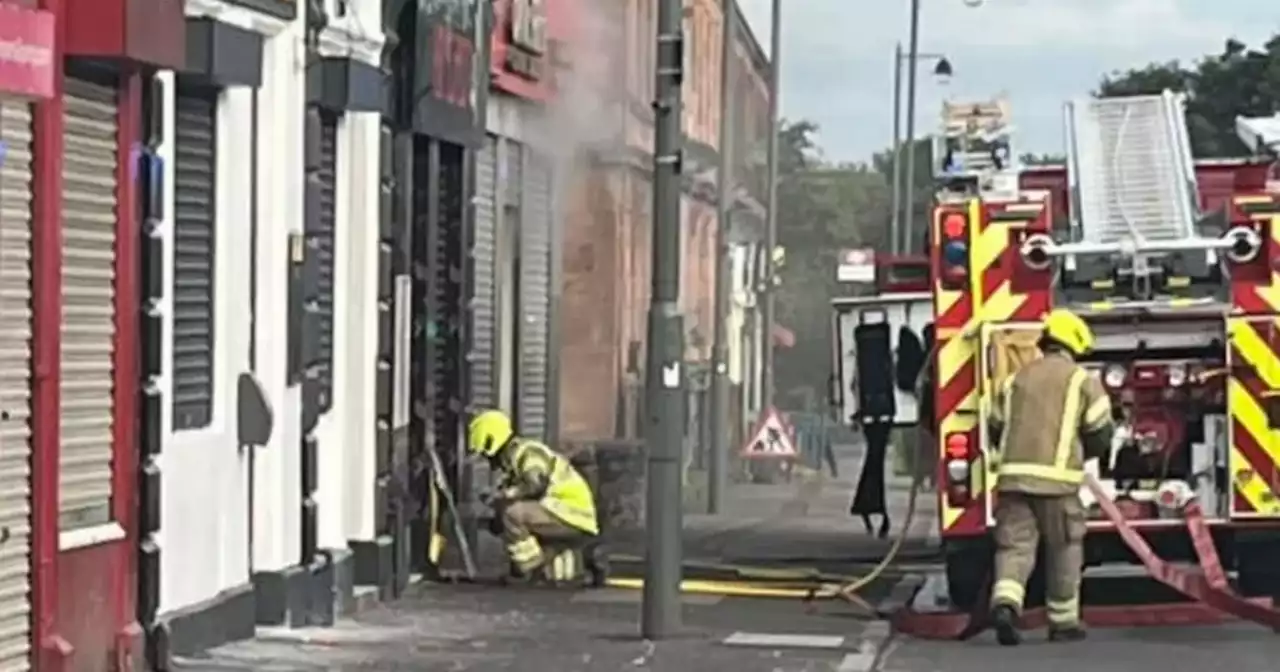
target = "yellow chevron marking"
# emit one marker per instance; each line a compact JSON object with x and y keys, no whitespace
{"x":952,"y":357}
{"x":1252,"y":416}
{"x":1002,"y":304}
{"x":1256,"y":351}
{"x":988,"y":247}
{"x":946,"y":301}
{"x":1252,"y":487}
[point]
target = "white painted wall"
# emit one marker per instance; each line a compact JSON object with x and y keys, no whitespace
{"x":277,"y":487}
{"x":347,"y":470}
{"x":205,"y":498}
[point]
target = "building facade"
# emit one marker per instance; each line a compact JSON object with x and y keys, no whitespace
{"x":86,"y":301}
{"x":429,"y":131}
{"x":744,"y":331}
{"x":516,"y":236}
{"x":607,"y":232}
{"x":245,"y":183}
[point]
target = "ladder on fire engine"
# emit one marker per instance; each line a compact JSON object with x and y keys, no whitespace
{"x":1130,"y":171}
{"x":975,"y":151}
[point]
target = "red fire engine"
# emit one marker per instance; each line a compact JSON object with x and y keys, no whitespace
{"x":1176,"y":266}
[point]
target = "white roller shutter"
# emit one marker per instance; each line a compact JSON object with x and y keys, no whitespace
{"x":483,"y":252}
{"x":88,"y":312}
{"x":535,"y":297}
{"x":15,"y":387}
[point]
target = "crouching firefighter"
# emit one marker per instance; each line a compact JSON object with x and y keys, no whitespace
{"x":1050,"y":415}
{"x":544,"y":509}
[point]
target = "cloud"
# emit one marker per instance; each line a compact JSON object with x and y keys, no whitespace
{"x":1114,"y":25}
{"x":837,"y":63}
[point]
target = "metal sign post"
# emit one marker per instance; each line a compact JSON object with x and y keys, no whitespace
{"x":664,"y":375}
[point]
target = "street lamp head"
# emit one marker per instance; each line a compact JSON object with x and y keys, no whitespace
{"x":943,"y":68}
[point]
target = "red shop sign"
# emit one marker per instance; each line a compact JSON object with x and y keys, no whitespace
{"x":26,"y":51}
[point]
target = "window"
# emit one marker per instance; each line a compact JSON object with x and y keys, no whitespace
{"x":192,"y":292}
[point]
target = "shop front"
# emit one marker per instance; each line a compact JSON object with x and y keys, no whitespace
{"x":429,"y":131}
{"x":109,"y":50}
{"x":27,"y":67}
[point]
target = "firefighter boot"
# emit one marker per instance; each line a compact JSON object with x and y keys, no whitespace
{"x":597,"y":565}
{"x":1004,"y":619}
{"x":1066,"y":633}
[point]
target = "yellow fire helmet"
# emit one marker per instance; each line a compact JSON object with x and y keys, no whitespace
{"x":489,"y":432}
{"x":1067,"y":328}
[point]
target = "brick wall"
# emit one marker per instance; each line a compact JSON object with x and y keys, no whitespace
{"x":608,"y":229}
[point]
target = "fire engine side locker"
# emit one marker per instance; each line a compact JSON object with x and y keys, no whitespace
{"x":969,"y":560}
{"x":983,"y":480}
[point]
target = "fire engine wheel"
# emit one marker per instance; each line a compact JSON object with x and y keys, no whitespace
{"x":969,"y":565}
{"x":1258,"y":572}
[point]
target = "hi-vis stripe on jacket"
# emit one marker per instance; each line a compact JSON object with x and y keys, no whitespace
{"x":1042,"y":409}
{"x":568,"y":495}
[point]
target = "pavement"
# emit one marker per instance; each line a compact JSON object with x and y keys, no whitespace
{"x":803,"y":525}
{"x":476,"y":629}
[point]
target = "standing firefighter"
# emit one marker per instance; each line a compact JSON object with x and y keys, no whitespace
{"x":541,"y":502}
{"x":1050,"y":415}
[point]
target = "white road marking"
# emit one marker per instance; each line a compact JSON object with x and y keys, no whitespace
{"x":784,"y":641}
{"x":863,"y":660}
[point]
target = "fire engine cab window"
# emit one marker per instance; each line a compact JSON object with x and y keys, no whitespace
{"x":194,"y":214}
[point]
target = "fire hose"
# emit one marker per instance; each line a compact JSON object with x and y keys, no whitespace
{"x":1208,"y":586}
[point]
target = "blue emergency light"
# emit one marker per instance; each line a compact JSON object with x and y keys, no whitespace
{"x":955,"y":253}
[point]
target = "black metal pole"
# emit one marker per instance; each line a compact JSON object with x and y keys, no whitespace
{"x":908,"y":190}
{"x":771,"y":223}
{"x":664,"y":377}
{"x":895,"y":225}
{"x":719,"y":435}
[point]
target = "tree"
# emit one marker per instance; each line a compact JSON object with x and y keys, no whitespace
{"x":1239,"y":81}
{"x":823,"y":209}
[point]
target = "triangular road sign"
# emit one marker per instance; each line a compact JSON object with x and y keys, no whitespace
{"x":771,"y":439}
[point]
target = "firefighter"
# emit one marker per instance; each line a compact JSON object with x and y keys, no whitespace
{"x":1051,"y":416}
{"x":541,"y":502}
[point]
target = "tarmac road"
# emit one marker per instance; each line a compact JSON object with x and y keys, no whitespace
{"x":1236,"y":647}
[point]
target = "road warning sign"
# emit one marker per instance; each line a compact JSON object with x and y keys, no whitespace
{"x":772,"y":438}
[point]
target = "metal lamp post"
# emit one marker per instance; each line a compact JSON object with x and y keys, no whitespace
{"x":899,"y":240}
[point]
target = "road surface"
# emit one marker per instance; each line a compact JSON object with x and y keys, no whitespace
{"x":473,"y":629}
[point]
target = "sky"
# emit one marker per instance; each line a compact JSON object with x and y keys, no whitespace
{"x":837,"y":57}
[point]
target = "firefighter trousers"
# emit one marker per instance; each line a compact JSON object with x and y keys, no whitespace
{"x":526,"y":525}
{"x":1022,"y":522}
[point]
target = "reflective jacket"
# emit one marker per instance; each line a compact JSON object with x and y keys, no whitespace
{"x":534,"y":471}
{"x":1041,"y":414}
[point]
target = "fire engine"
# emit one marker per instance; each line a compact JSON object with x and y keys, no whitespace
{"x":1175,"y":263}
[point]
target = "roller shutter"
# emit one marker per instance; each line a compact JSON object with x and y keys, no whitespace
{"x":88,"y":313}
{"x":535,"y":298}
{"x":483,"y":336}
{"x":15,"y":386}
{"x":194,"y":188}
{"x":325,"y":244}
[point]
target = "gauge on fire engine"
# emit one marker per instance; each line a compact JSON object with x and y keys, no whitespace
{"x":1177,"y":375}
{"x":1114,"y":377}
